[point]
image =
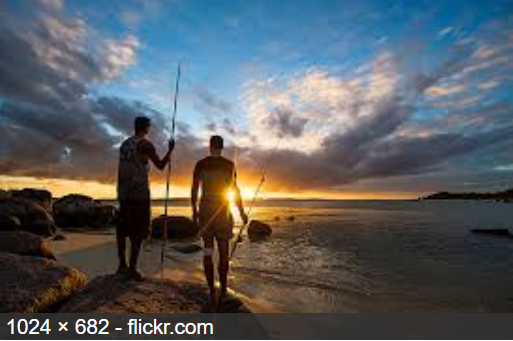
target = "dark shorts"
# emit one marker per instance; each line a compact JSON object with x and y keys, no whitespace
{"x":134,"y":219}
{"x":216,"y":220}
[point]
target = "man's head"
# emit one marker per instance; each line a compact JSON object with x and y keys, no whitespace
{"x":216,"y":145}
{"x":142,"y":125}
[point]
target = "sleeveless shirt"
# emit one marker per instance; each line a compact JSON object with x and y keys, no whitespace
{"x":133,"y":169}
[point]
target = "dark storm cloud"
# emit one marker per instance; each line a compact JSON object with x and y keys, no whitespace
{"x":25,"y":77}
{"x":340,"y":163}
{"x":286,"y":123}
{"x":47,"y":112}
{"x":377,"y":147}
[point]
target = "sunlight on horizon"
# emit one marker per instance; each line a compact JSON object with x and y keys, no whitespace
{"x":61,"y":187}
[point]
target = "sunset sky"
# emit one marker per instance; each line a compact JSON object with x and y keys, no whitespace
{"x":343,"y":99}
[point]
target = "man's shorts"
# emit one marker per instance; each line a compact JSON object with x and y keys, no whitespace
{"x":134,"y":219}
{"x":215,"y":220}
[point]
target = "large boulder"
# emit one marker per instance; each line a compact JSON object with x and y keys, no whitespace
{"x":41,"y":197}
{"x":25,"y":215}
{"x":259,"y":230}
{"x":26,"y":244}
{"x":178,"y":227}
{"x":76,"y":210}
{"x":111,"y":294}
{"x":35,"y":285}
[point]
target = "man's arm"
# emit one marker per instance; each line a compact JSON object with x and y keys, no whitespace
{"x":149,"y":150}
{"x":194,"y":195}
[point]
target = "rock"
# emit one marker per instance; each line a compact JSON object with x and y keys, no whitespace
{"x":494,"y":232}
{"x":41,"y":197}
{"x":59,"y":237}
{"x":76,"y":210}
{"x":21,"y":214}
{"x":178,"y":227}
{"x":35,"y":285}
{"x":276,"y":218}
{"x":188,"y":248}
{"x":10,"y":223}
{"x":291,"y":218}
{"x":112,"y":294}
{"x":25,"y":243}
{"x":4,"y":194}
{"x":259,"y":230}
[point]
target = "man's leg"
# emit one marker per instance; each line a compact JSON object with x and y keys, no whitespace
{"x":121,"y":241}
{"x":121,"y":238}
{"x":223,"y":246}
{"x":208,"y":266}
{"x":134,"y":256}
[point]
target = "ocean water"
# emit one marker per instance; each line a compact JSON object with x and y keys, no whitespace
{"x":377,"y":256}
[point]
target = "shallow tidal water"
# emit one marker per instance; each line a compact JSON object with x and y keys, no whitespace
{"x":377,"y":256}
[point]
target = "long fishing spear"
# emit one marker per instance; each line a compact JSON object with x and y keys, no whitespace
{"x":253,"y":201}
{"x":166,"y":201}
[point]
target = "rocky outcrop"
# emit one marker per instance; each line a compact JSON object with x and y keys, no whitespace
{"x":178,"y":227}
{"x":494,"y":232}
{"x":259,"y":230}
{"x":111,"y":294}
{"x":25,"y":215}
{"x":76,"y":210}
{"x":35,"y":285}
{"x":41,"y":197}
{"x":26,"y":244}
{"x":505,"y":196}
{"x":4,"y":194}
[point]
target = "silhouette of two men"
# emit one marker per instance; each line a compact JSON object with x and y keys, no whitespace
{"x":215,"y":175}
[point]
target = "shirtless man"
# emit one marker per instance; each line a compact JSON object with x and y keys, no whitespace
{"x":216,"y":176}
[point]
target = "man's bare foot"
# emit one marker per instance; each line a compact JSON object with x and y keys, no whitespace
{"x":220,"y":300}
{"x":135,"y":275}
{"x":210,"y":306}
{"x":123,"y":271}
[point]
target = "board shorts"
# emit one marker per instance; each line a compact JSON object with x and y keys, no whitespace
{"x":215,"y":220}
{"x":134,"y":219}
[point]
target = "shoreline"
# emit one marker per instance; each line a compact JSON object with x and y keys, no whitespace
{"x":94,"y":253}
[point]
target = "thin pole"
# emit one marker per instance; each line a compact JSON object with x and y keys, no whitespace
{"x":166,"y":200}
{"x":257,"y":191}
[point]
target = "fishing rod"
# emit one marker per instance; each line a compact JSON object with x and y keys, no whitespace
{"x":166,"y":200}
{"x":253,"y":200}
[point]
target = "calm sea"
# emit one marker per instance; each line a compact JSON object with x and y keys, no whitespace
{"x":377,"y":256}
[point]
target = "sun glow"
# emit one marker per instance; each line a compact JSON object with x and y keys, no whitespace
{"x":230,"y":195}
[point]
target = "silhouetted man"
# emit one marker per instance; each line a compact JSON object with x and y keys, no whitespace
{"x":134,"y":193}
{"x":217,"y":177}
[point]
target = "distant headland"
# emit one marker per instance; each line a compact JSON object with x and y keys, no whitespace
{"x":503,"y":196}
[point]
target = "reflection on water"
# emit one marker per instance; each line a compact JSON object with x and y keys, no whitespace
{"x":378,"y":256}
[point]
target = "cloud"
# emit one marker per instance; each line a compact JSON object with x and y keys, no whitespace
{"x":382,"y":120}
{"x":374,"y":123}
{"x":52,"y":125}
{"x":53,"y":4}
{"x":205,"y":101}
{"x":119,"y":55}
{"x":286,"y":123}
{"x":445,"y":31}
{"x":440,"y":91}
